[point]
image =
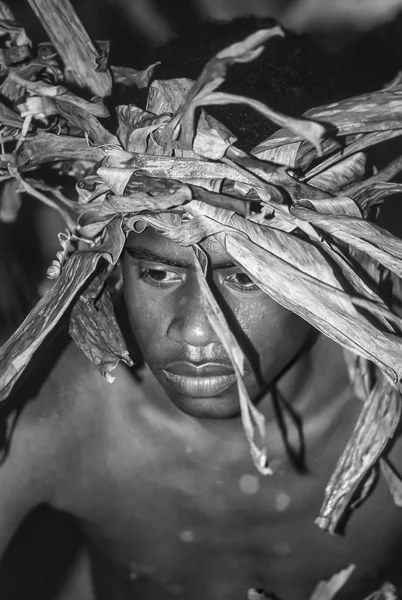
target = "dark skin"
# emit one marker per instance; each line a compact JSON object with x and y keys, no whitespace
{"x":161,"y":276}
{"x":162,"y":483}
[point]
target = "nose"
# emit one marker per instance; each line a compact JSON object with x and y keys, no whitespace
{"x":190,"y":324}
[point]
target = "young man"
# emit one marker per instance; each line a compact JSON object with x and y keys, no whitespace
{"x":156,"y":470}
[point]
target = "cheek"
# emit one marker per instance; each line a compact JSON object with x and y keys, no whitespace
{"x":145,"y":314}
{"x":275,"y":333}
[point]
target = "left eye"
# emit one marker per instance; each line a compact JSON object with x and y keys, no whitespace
{"x":159,"y":277}
{"x":242,"y":282}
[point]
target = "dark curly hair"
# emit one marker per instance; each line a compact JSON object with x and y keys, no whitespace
{"x":293,"y":74}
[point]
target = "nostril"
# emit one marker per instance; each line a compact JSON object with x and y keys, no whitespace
{"x":192,"y":328}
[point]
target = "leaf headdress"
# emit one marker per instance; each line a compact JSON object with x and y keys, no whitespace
{"x":293,"y":214}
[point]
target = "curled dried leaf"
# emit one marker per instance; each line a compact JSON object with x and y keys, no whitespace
{"x":375,"y":193}
{"x":18,"y":351}
{"x":131,"y":77}
{"x":94,"y":328}
{"x":373,"y":431}
{"x":166,"y":96}
{"x":308,"y":129}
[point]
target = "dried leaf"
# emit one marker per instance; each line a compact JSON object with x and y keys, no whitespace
{"x":212,"y":139}
{"x":131,"y":77}
{"x":251,"y":417}
{"x":297,"y":275}
{"x":247,"y":50}
{"x":73,"y":44}
{"x":79,"y":117}
{"x":345,"y":172}
{"x":94,"y":329}
{"x":171,"y":167}
{"x":139,"y":201}
{"x":386,"y":592}
{"x":115,"y":179}
{"x":393,"y":480}
{"x":366,"y":489}
{"x":385,"y":174}
{"x":213,"y":198}
{"x":215,"y":70}
{"x":374,"y":194}
{"x":38,"y":68}
{"x":202,"y":93}
{"x":48,"y":148}
{"x":18,"y":351}
{"x":326,"y":590}
{"x":296,"y":152}
{"x":309,"y":130}
{"x":77,"y":111}
{"x":273,"y":174}
{"x":14,"y":33}
{"x":14,"y":54}
{"x":166,"y":96}
{"x":359,"y":234}
{"x":9,"y":117}
{"x":327,"y":308}
{"x":135,"y":128}
{"x":279,"y":151}
{"x":37,"y":107}
{"x":10,"y":201}
{"x":375,"y":427}
{"x":208,"y":185}
{"x":342,"y":206}
{"x":25,"y":186}
{"x":365,"y":141}
{"x":12,"y":90}
{"x":90,"y":225}
{"x":376,"y":111}
{"x":96,"y":108}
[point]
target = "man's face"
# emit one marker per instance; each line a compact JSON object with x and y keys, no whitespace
{"x":177,"y":342}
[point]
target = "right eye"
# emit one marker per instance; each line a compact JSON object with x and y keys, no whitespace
{"x":242,"y":282}
{"x":159,"y":277}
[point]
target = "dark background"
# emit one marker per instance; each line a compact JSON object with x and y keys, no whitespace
{"x":49,"y":543}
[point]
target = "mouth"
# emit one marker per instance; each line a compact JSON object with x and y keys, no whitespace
{"x":200,"y":381}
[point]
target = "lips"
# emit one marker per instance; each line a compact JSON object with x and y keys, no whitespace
{"x":202,"y":380}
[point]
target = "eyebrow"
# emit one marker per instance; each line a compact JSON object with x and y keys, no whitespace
{"x":142,"y":253}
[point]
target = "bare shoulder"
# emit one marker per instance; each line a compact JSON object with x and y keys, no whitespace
{"x":31,"y":444}
{"x":68,"y":418}
{"x":58,"y":396}
{"x":74,"y":397}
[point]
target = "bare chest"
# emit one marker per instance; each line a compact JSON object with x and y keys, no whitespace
{"x":166,"y":521}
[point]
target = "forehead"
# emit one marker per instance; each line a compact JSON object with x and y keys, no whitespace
{"x":156,"y":244}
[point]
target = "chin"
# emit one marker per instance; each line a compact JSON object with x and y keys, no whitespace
{"x":224,"y":407}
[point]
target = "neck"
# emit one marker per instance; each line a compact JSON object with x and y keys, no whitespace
{"x":309,"y":385}
{"x":316,"y":379}
{"x":312,"y":391}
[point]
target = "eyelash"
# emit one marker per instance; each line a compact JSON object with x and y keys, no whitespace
{"x":250,"y":286}
{"x":147,"y":277}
